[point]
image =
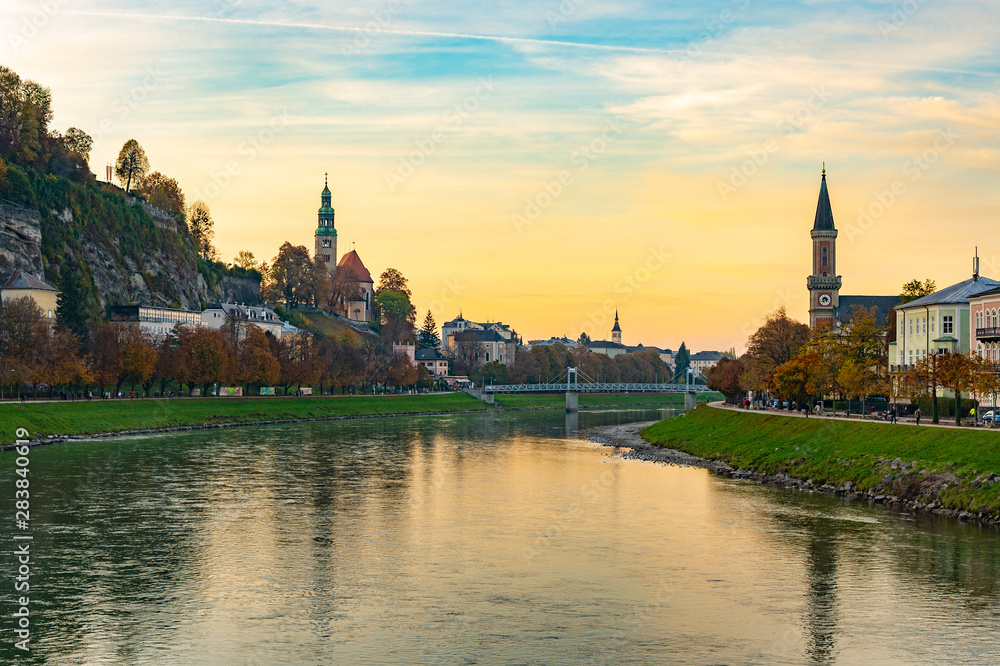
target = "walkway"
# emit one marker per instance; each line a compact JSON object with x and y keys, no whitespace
{"x":924,"y":419}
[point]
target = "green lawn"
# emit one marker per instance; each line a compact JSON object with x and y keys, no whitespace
{"x":834,"y":452}
{"x":552,"y":400}
{"x":98,"y":416}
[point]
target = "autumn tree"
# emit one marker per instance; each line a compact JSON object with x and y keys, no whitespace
{"x":319,"y":285}
{"x":291,"y":272}
{"x":59,"y":360}
{"x":203,"y":354}
{"x":796,"y":379}
{"x":22,"y":331}
{"x":392,"y":280}
{"x":78,"y":142}
{"x":724,"y":377}
{"x":924,"y":378}
{"x":915,"y":289}
{"x":202,"y":228}
{"x":105,"y":357}
{"x":245,"y":260}
{"x":132,"y":164}
{"x":257,"y":365}
{"x":137,"y":354}
{"x":428,"y":338}
{"x":163,"y":192}
{"x":958,"y":374}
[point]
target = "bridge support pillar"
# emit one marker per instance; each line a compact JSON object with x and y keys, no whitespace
{"x":572,"y":401}
{"x":490,"y":398}
{"x":690,"y":400}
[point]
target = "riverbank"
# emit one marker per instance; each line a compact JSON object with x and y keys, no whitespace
{"x":943,"y":471}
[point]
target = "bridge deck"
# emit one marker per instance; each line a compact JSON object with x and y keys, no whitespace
{"x":595,"y":387}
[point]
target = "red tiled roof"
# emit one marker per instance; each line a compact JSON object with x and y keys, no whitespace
{"x":352,"y":262}
{"x":21,"y":280}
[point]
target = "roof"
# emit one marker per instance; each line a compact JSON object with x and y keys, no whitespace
{"x":883,"y":306}
{"x":430,"y":354}
{"x":707,"y":356}
{"x":352,"y":262}
{"x":21,"y":280}
{"x":824,"y":214}
{"x":947,"y":338}
{"x":479,"y":336}
{"x":956,"y":293}
{"x":616,"y":328}
{"x":252,"y":312}
{"x":604,"y":344}
{"x":640,"y":347}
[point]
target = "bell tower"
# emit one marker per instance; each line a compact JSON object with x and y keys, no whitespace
{"x":824,"y":283}
{"x":326,"y":234}
{"x":616,"y":332}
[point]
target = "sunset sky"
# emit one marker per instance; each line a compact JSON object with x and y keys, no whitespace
{"x":543,"y":163}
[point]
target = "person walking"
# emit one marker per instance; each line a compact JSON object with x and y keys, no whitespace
{"x":892,"y":415}
{"x":917,"y":414}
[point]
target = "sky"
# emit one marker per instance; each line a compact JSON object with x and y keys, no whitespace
{"x":547,"y":163}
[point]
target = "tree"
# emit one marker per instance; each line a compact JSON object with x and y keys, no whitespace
{"x":428,"y":333}
{"x":397,"y":316}
{"x":682,"y":361}
{"x":71,"y":311}
{"x":163,"y":192}
{"x":392,"y":280}
{"x":495,"y":372}
{"x":958,"y":374}
{"x":924,"y":379}
{"x":724,"y":377}
{"x":202,"y":229}
{"x":291,"y":273}
{"x":137,"y":354}
{"x":319,"y":283}
{"x":796,"y":379}
{"x":22,"y":332}
{"x":245,"y":260}
{"x":257,"y":363}
{"x":915,"y":289}
{"x":584,"y":338}
{"x":203,"y":353}
{"x":105,"y":356}
{"x":467,"y":358}
{"x":79,"y":142}
{"x":344,"y":288}
{"x":132,"y":164}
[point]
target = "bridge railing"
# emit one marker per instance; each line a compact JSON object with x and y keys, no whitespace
{"x":596,"y":387}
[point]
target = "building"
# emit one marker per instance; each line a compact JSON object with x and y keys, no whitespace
{"x":984,"y":311}
{"x":357,"y":307}
{"x":490,"y":345}
{"x":616,"y":332}
{"x":703,"y":360}
{"x":407,"y":349}
{"x":460,"y":324}
{"x":571,"y":344}
{"x":826,"y":306}
{"x":616,"y":348}
{"x":611,"y":349}
{"x":326,"y":233}
{"x":940,"y":322}
{"x":155,"y":322}
{"x":265,"y":318}
{"x":21,"y":284}
{"x":435,"y":362}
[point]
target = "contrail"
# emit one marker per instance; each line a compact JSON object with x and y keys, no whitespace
{"x":505,"y":39}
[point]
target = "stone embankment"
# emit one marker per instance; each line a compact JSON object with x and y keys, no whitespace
{"x":901,"y":484}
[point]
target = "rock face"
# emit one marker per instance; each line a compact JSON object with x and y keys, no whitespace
{"x":167,"y":278}
{"x":20,"y":240}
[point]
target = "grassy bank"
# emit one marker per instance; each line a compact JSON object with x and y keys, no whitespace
{"x":951,"y":469}
{"x":98,"y":416}
{"x":552,"y":400}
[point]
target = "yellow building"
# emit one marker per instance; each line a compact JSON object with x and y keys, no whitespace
{"x":21,"y":284}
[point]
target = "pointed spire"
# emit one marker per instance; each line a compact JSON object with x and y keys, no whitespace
{"x":824,"y":214}
{"x":617,"y":328}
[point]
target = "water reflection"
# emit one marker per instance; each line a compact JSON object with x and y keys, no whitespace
{"x":486,"y":537}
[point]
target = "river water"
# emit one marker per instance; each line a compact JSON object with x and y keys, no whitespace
{"x":494,"y":538}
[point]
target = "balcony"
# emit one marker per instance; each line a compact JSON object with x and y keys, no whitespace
{"x":988,"y":334}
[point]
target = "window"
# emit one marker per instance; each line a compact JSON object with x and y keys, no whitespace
{"x":902,"y":327}
{"x":826,"y":258}
{"x":947,"y":324}
{"x":979,"y":320}
{"x":911,"y":327}
{"x":932,"y":323}
{"x":911,"y":357}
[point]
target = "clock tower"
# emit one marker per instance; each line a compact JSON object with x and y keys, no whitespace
{"x":824,"y":283}
{"x":326,"y":233}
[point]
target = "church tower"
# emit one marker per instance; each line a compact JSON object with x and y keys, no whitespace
{"x":824,"y":283}
{"x":326,"y":234}
{"x":616,"y":332}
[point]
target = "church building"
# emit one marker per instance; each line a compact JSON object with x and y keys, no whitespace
{"x":826,"y":306}
{"x":357,"y":304}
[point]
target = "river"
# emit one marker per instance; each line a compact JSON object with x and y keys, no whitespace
{"x":483,"y":538}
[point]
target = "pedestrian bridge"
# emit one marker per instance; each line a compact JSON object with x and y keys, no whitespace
{"x":569,"y":383}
